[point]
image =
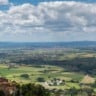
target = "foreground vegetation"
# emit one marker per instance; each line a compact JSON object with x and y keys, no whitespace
{"x":26,"y":90}
{"x":38,"y":90}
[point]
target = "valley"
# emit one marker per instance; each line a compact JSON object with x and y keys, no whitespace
{"x":58,"y":69}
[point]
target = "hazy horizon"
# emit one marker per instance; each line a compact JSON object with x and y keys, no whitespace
{"x":43,"y":41}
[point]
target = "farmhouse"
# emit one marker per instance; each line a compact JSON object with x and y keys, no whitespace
{"x":12,"y":65}
{"x":55,"y":82}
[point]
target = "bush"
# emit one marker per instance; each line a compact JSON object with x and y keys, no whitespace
{"x":2,"y":93}
{"x":34,"y":90}
{"x":25,"y":76}
{"x":40,"y":79}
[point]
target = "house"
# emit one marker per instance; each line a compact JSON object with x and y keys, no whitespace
{"x":54,"y":82}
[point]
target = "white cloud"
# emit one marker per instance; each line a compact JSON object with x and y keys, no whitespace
{"x":4,"y":2}
{"x":57,"y":18}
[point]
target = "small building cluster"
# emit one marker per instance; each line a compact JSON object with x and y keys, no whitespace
{"x":54,"y":82}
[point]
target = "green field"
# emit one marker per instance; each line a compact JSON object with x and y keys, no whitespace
{"x":45,"y":71}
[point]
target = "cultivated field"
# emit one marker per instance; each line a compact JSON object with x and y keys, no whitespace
{"x":47,"y":72}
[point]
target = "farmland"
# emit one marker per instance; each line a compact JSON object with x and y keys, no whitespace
{"x":46,"y":64}
{"x":55,"y":68}
{"x":47,"y":72}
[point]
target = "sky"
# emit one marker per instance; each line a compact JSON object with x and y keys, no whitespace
{"x":47,"y":20}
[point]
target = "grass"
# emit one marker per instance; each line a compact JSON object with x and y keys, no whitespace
{"x":35,"y":72}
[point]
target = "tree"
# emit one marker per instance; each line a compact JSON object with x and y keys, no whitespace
{"x":26,"y":76}
{"x":34,"y":90}
{"x":2,"y":93}
{"x":89,"y":91}
{"x":40,"y":79}
{"x":73,"y":91}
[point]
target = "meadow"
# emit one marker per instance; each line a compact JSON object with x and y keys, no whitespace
{"x":47,"y":72}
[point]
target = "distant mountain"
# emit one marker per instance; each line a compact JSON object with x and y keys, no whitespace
{"x":47,"y":44}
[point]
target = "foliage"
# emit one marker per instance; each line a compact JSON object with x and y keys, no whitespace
{"x":25,"y":76}
{"x":32,"y":90}
{"x":40,"y":79}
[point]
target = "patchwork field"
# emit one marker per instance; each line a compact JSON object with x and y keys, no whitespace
{"x":47,"y":73}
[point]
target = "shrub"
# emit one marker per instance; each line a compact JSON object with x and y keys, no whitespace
{"x":25,"y":76}
{"x":40,"y":79}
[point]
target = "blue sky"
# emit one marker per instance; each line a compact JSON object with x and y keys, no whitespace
{"x":47,"y":20}
{"x":38,"y":1}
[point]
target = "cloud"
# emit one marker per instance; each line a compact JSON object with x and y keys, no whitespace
{"x":4,"y":2}
{"x":64,"y":19}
